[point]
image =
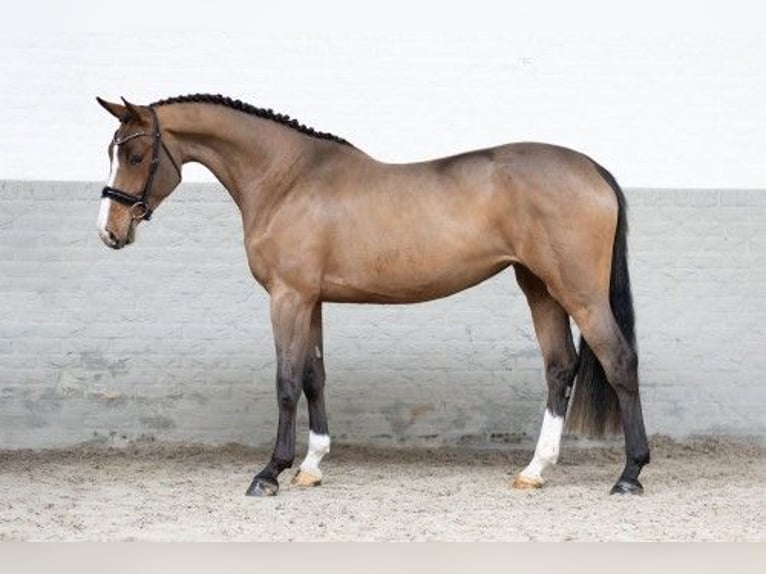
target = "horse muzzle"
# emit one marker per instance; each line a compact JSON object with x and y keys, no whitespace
{"x":111,"y":240}
{"x":115,"y":229}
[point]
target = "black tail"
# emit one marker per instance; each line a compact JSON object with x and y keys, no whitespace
{"x":594,"y":409}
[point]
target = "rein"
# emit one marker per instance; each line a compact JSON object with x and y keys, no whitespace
{"x":144,"y":212}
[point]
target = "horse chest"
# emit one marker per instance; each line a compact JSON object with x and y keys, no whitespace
{"x":273,"y":260}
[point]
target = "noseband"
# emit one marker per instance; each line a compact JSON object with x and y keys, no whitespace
{"x":139,"y":207}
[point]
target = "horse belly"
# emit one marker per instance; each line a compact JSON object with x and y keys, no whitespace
{"x":408,"y":274}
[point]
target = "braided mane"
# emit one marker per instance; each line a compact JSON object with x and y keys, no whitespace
{"x":266,"y":114}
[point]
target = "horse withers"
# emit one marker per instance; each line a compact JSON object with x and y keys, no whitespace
{"x":325,"y":222}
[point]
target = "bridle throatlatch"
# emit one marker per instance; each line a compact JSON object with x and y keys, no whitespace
{"x":139,"y":207}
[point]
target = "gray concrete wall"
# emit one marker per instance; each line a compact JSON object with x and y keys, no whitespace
{"x":170,"y":339}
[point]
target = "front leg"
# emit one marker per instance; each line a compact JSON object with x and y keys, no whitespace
{"x":313,"y":388}
{"x":291,"y":321}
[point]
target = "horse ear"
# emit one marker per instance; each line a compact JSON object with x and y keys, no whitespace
{"x":132,"y":111}
{"x":118,"y":111}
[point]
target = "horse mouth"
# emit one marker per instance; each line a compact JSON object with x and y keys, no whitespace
{"x":114,"y":242}
{"x":110,"y":240}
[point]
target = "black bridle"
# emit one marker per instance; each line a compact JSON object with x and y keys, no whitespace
{"x":133,"y":202}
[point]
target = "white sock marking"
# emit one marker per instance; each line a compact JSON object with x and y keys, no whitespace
{"x":319,"y":446}
{"x":547,"y":450}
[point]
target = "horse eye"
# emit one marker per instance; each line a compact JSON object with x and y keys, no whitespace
{"x":135,"y":159}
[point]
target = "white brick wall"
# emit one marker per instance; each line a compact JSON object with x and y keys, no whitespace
{"x":170,"y":338}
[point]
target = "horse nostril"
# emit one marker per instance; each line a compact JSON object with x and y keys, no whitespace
{"x":116,"y":242}
{"x":110,"y":239}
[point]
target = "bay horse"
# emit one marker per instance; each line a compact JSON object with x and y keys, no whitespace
{"x":325,"y":222}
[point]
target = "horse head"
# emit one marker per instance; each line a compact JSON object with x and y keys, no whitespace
{"x":143,"y":173}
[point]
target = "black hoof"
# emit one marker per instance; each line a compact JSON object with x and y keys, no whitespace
{"x":627,"y":486}
{"x":262,"y":487}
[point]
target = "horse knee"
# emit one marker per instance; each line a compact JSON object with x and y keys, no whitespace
{"x":288,"y":394}
{"x":313,"y":380}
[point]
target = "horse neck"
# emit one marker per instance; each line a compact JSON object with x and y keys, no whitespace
{"x":253,"y":158}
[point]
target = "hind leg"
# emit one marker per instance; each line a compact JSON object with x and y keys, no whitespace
{"x":560,"y":358}
{"x":313,"y":388}
{"x":620,"y":365}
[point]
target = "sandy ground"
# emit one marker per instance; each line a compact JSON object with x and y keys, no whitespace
{"x":710,"y":489}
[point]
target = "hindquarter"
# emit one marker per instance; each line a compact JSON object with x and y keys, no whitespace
{"x":562,"y":218}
